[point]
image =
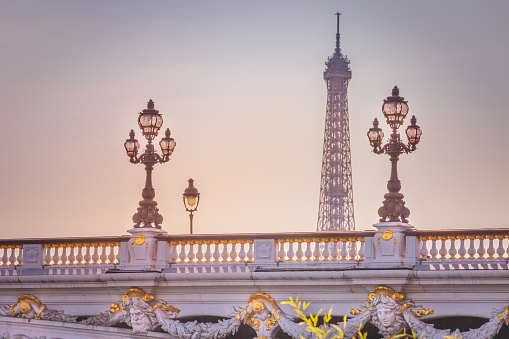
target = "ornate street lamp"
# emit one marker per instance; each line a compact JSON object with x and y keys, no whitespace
{"x":150,"y":121}
{"x":191,"y":199}
{"x":395,"y":109}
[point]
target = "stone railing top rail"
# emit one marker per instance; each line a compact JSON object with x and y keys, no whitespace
{"x":70,"y":240}
{"x":458,"y":232}
{"x":275,"y":236}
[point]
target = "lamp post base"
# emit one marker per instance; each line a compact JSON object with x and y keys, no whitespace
{"x":390,"y":243}
{"x":142,"y":249}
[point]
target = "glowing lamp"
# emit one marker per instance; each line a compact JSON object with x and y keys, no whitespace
{"x":167,"y":143}
{"x":131,"y":145}
{"x":395,"y":109}
{"x":150,"y":121}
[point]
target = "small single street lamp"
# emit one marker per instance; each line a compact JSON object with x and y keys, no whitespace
{"x":150,"y":121}
{"x":395,"y":110}
{"x":191,"y":199}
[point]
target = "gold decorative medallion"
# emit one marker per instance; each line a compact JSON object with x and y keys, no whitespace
{"x":387,"y":235}
{"x":139,"y":240}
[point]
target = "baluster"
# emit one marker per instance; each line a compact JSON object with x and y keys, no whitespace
{"x":208,"y":253}
{"x":182,"y":255}
{"x":443,"y":248}
{"x":491,"y":248}
{"x":471,"y":249}
{"x":353,"y":249}
{"x":452,"y":249}
{"x":433,"y":252}
{"x":199,"y":255}
{"x":117,"y":255}
{"x":308,"y":253}
{"x":224,"y":254}
{"x":87,"y":256}
{"x":242,"y":254}
{"x":282,"y":254}
{"x":233,"y":252}
{"x":291,"y":253}
{"x":79,"y":257}
{"x":361,"y":251}
{"x":63,"y":257}
{"x":462,"y":251}
{"x":71,"y":256}
{"x":173,"y":255}
{"x":424,"y":249}
{"x":335,"y":252}
{"x":343,"y":252}
{"x":481,"y":251}
{"x":216,"y":255}
{"x":190,"y":255}
{"x":325,"y":252}
{"x":299,"y":252}
{"x":316,"y":253}
{"x":95,"y":256}
{"x":19,"y":258}
{"x":250,"y":252}
{"x":12,"y":257}
{"x":4,"y":257}
{"x":103,"y":257}
{"x":500,"y":249}
{"x":111,"y":256}
{"x":56,"y":257}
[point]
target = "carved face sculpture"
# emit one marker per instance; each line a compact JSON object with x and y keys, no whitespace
{"x":140,"y":315}
{"x":386,"y":315}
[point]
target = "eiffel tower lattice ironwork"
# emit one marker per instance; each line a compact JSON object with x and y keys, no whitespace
{"x":335,"y":212}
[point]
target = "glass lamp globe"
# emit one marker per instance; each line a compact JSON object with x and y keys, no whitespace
{"x":413,"y":132}
{"x":150,"y":121}
{"x":167,"y":143}
{"x":131,"y":145}
{"x":375,"y":134}
{"x":395,"y":109}
{"x":191,"y":196}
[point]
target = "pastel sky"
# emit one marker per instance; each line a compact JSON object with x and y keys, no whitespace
{"x":240,"y":85}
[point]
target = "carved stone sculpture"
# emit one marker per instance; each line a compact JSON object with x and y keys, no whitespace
{"x":139,"y":310}
{"x":28,"y":306}
{"x":387,"y":310}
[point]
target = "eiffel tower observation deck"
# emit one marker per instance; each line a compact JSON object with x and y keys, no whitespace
{"x":335,"y":211}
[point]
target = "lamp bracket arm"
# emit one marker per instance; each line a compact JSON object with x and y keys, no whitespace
{"x":408,"y":148}
{"x":134,"y":160}
{"x":162,"y":159}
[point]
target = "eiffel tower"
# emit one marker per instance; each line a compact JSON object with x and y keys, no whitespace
{"x":335,"y":212}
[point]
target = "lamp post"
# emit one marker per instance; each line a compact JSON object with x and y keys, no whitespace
{"x":191,"y":199}
{"x":395,"y":109}
{"x":150,"y":121}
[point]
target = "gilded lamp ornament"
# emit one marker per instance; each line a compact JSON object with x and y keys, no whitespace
{"x":149,"y":121}
{"x":395,"y":109}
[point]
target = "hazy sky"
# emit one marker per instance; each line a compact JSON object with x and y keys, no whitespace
{"x":240,"y":85}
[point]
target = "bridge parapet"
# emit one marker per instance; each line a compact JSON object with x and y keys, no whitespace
{"x":404,"y":247}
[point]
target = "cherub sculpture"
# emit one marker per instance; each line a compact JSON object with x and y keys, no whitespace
{"x":387,"y":311}
{"x":28,"y":306}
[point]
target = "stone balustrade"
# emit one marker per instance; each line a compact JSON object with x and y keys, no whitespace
{"x":391,"y":245}
{"x":485,"y":244}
